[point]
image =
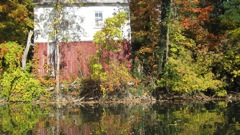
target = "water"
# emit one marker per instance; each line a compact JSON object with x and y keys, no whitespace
{"x":211,"y":118}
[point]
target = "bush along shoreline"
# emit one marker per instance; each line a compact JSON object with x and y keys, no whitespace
{"x":88,"y":91}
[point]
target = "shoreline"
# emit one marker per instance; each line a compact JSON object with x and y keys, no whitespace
{"x":174,"y":98}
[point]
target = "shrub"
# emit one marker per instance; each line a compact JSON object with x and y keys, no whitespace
{"x":16,"y":84}
{"x":20,"y":86}
{"x":188,"y":76}
{"x":116,"y":78}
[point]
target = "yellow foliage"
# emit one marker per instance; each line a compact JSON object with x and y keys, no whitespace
{"x":117,"y":77}
{"x":145,"y":50}
{"x":46,"y":81}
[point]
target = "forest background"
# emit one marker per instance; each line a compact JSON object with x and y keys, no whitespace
{"x":179,"y":47}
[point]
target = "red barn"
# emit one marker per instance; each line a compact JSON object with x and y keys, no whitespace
{"x":79,"y":22}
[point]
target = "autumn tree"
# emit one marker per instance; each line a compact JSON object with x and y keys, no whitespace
{"x":112,"y":74}
{"x":146,"y":39}
{"x":16,"y":18}
{"x":179,"y":48}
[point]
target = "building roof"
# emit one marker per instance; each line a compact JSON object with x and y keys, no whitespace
{"x":80,"y":1}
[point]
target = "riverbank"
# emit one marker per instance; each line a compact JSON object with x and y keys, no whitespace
{"x":200,"y":97}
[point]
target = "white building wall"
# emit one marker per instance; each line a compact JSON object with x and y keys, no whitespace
{"x":78,"y":23}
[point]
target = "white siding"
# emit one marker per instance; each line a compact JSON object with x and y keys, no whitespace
{"x":79,"y":24}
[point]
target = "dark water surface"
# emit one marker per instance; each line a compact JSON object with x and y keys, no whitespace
{"x":211,"y":118}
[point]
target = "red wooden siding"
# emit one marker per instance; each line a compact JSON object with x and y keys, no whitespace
{"x":40,"y":55}
{"x":75,"y":58}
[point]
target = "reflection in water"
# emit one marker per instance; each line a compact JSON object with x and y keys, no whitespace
{"x":121,"y":119}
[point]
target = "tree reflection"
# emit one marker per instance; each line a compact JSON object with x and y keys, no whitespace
{"x":127,"y":119}
{"x":19,"y":119}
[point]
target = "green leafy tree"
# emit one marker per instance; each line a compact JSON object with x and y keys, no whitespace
{"x":182,"y":72}
{"x":230,"y":46}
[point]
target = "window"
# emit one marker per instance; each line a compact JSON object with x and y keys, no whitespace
{"x":98,"y":19}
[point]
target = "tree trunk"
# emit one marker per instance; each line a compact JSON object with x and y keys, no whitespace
{"x":167,"y":53}
{"x":58,"y":73}
{"x":168,"y":39}
{"x":24,"y":57}
{"x":56,"y":28}
{"x":167,"y":43}
{"x":168,"y":31}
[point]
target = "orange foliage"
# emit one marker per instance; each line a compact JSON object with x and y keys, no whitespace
{"x":194,"y":17}
{"x":204,"y":13}
{"x":16,"y":18}
{"x":117,"y":77}
{"x":188,"y":23}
